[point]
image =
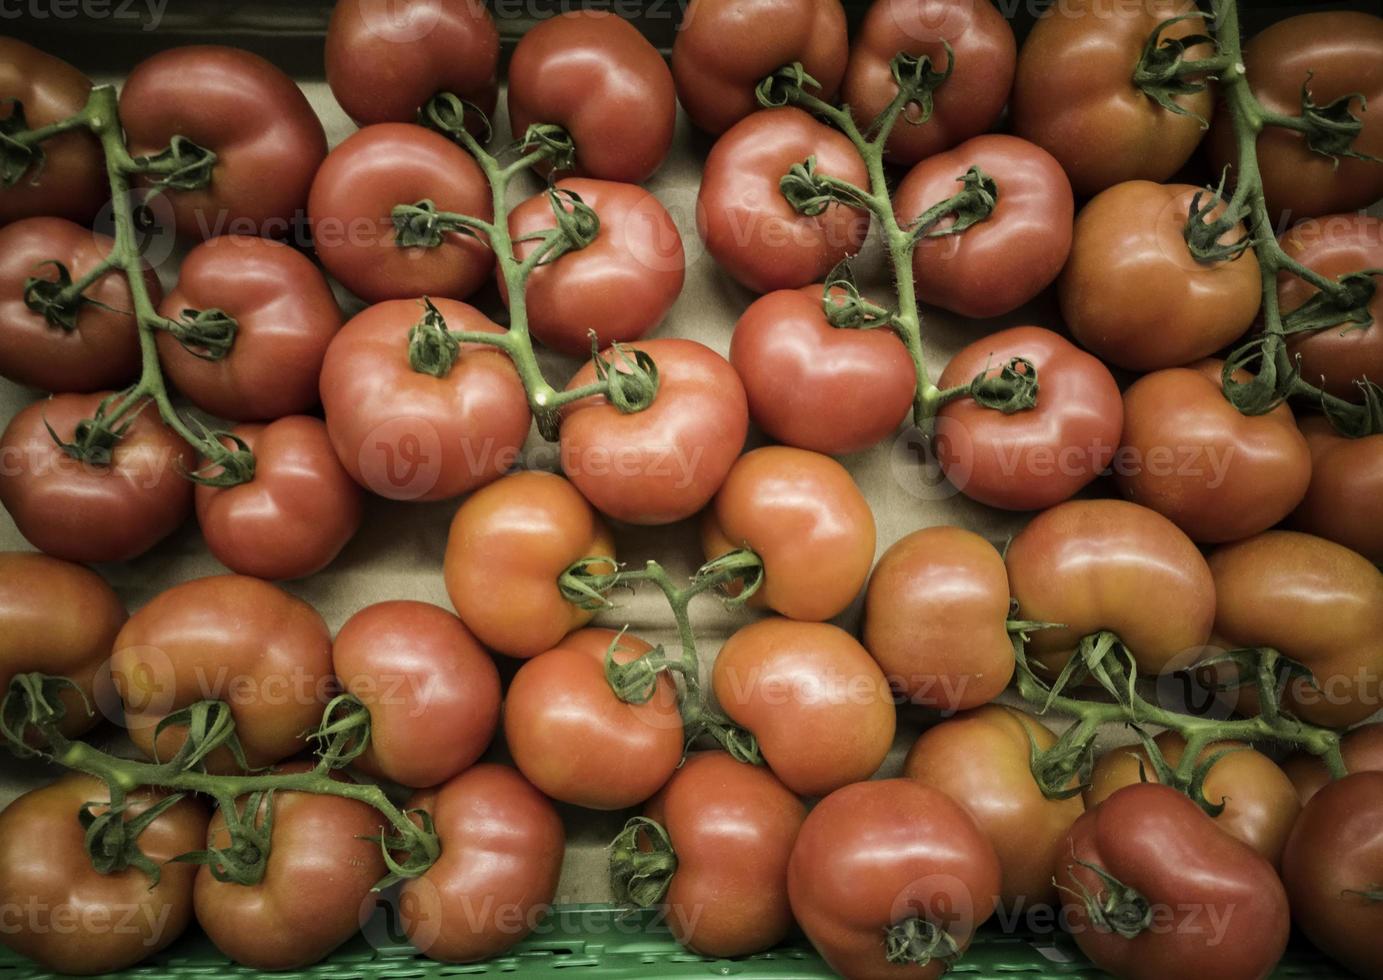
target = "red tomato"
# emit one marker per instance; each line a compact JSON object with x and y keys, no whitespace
{"x":621,"y":285}
{"x":665,"y":463}
{"x":267,"y":140}
{"x":295,"y":516}
{"x":408,"y":435}
{"x":1362,"y":749}
{"x":748,"y":225}
{"x":1346,"y":485}
{"x":352,"y":203}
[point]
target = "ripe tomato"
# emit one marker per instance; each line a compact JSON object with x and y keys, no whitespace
{"x":877,"y":854}
{"x":1209,"y":902}
{"x":732,"y":827}
{"x":1131,"y":292}
{"x":384,"y":61}
{"x":1041,"y":456}
{"x":803,"y":515}
{"x":665,"y":463}
{"x":431,"y":689}
{"x":1316,"y":603}
{"x":408,"y":435}
{"x":1362,"y":749}
{"x":1330,"y":55}
{"x":87,"y":511}
{"x":1346,"y":484}
{"x":502,"y":846}
{"x":748,"y":225}
{"x":579,"y":743}
{"x":1193,"y":457}
{"x":225,"y":638}
{"x":352,"y":203}
{"x":967,"y":103}
{"x":64,"y":914}
{"x":621,"y":285}
{"x":819,"y":706}
{"x":285,"y":315}
{"x":1075,"y":97}
{"x":102,"y":350}
{"x":515,"y":538}
{"x":982,"y":760}
{"x":267,"y":140}
{"x":723,"y":49}
{"x":1110,"y":565}
{"x":592,"y":73}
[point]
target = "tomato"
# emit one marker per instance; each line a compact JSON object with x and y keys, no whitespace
{"x":431,"y":689}
{"x":285,"y":317}
{"x":732,"y":826}
{"x":666,"y":462}
{"x":1332,"y":869}
{"x":969,"y":102}
{"x":267,"y":140}
{"x":1075,"y":97}
{"x":72,"y":180}
{"x":102,"y":350}
{"x":1346,"y":483}
{"x":1331,"y":55}
{"x":384,"y":61}
{"x":1209,"y":902}
{"x":352,"y":203}
{"x":621,"y":285}
{"x":295,"y":516}
{"x":592,"y":73}
{"x":1111,"y":565}
{"x":408,"y":435}
{"x":89,"y":511}
{"x":982,"y":760}
{"x":876,"y":854}
{"x":819,"y":706}
{"x":502,"y":846}
{"x":1193,"y":457}
{"x":1132,"y":294}
{"x":579,"y":743}
{"x":1316,"y":603}
{"x":750,"y":228}
{"x":225,"y":638}
{"x":64,"y":914}
{"x":1260,"y":802}
{"x":1362,"y":749}
{"x":723,"y":49}
{"x":1041,"y":456}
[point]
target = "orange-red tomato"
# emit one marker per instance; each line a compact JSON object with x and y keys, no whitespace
{"x":1341,"y":503}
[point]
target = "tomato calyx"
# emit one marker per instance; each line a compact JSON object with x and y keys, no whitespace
{"x":1063,"y":770}
{"x":223,"y":465}
{"x":1205,"y":231}
{"x":917,"y":82}
{"x":1115,"y":907}
{"x":845,"y":308}
{"x":1348,"y":306}
{"x":32,"y":706}
{"x":1358,"y":424}
{"x":421,"y":225}
{"x":636,"y":681}
{"x":577,"y":226}
{"x":551,"y":141}
{"x":916,"y":941}
{"x":776,"y":89}
{"x":1164,"y":72}
{"x":59,"y":300}
{"x":112,"y":840}
{"x":1331,"y":129}
{"x":1011,"y":389}
{"x":344,"y":734}
{"x":208,"y":334}
{"x":1190,"y":781}
{"x":973,"y":203}
{"x":180,"y":166}
{"x":409,"y":850}
{"x":250,"y":826}
{"x":209,"y":725}
{"x":449,"y":114}
{"x":627,"y":377}
{"x":20,"y":154}
{"x":642,"y":863}
{"x":94,"y":439}
{"x":811,"y":192}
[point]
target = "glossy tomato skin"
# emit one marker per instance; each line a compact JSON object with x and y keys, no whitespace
{"x":1132,"y":294}
{"x":267,"y":139}
{"x":1036,"y":458}
{"x":592,"y":73}
{"x":965,"y":105}
{"x":1346,"y":484}
{"x":285,"y":317}
{"x":748,"y":225}
{"x":876,"y":853}
{"x":1217,"y":904}
{"x":1361,"y":748}
{"x":1193,"y":457}
{"x":732,"y":827}
{"x":408,"y":435}
{"x":803,"y":515}
{"x":352,"y":202}
{"x":1112,"y":565}
{"x":502,"y":846}
{"x":1074,"y":94}
{"x":664,"y":463}
{"x":229,"y":638}
{"x":982,"y":760}
{"x":621,"y":285}
{"x":384,"y":61}
{"x":86,"y":512}
{"x":579,"y":743}
{"x":819,"y":706}
{"x":723,"y":49}
{"x":48,"y":884}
